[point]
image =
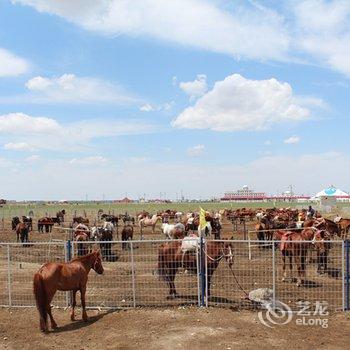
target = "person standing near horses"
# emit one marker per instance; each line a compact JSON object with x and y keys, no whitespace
{"x":311,"y":212}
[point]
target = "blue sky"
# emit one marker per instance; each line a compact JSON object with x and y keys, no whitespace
{"x":114,"y":97}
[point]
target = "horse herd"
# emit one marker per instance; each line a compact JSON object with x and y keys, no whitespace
{"x":294,"y":232}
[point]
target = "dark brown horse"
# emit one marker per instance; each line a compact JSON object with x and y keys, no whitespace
{"x":46,"y":223}
{"x":22,"y":231}
{"x":70,"y":276}
{"x":295,"y":245}
{"x":80,"y":220}
{"x":127,"y":234}
{"x":171,"y":258}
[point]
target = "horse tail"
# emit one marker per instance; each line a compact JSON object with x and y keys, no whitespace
{"x":41,"y":299}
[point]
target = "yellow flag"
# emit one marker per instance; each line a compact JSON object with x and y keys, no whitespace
{"x":202,"y":221}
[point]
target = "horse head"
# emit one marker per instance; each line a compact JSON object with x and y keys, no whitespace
{"x":228,"y":252}
{"x":97,"y":263}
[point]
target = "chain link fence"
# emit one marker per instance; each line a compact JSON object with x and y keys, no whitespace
{"x":132,"y":279}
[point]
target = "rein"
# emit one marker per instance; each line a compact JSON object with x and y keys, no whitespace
{"x":231,"y":269}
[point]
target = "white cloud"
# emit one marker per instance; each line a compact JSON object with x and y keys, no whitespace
{"x":322,"y":30}
{"x":48,"y":133}
{"x":11,"y":65}
{"x":250,"y":31}
{"x":195,"y":88}
{"x":147,"y":108}
{"x":268,"y":142}
{"x":262,"y":174}
{"x":167,"y":106}
{"x":292,"y":140}
{"x":92,"y":160}
{"x":33,"y":158}
{"x":20,"y":123}
{"x":237,"y":103}
{"x":18,"y":146}
{"x":69,"y":88}
{"x":195,"y":151}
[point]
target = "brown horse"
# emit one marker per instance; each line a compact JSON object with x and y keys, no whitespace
{"x":296,"y":245}
{"x":70,"y":276}
{"x":344,"y":225}
{"x":127,"y":234}
{"x":22,"y":231}
{"x":80,"y":220}
{"x":171,"y":258}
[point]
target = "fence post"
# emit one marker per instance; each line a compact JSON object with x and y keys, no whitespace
{"x":347,"y":277}
{"x":68,"y":257}
{"x":9,"y":275}
{"x":202,"y":273}
{"x":273,"y":275}
{"x":133,"y":274}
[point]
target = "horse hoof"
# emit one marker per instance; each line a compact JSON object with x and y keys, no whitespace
{"x":54,"y":326}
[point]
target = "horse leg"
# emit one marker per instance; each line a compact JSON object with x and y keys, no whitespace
{"x":284,"y":267}
{"x":171,"y":281}
{"x":82,"y":295}
{"x":74,"y":303}
{"x":299,"y":268}
{"x":291,"y":267}
{"x":53,"y":323}
{"x":325,"y":261}
{"x":319,"y":262}
{"x":303,"y":266}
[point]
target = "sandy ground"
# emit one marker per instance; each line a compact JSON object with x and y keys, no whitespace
{"x":175,"y":328}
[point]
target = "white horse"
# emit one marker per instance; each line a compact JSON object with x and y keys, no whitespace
{"x":178,"y":216}
{"x":205,"y":231}
{"x":108,"y":226}
{"x":149,"y":222}
{"x":170,"y":230}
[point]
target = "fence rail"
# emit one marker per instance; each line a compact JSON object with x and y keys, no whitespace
{"x":131,"y":274}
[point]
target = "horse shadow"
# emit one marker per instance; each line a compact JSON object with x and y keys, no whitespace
{"x":233,"y":304}
{"x":333,"y":272}
{"x":78,"y":324}
{"x":311,"y":284}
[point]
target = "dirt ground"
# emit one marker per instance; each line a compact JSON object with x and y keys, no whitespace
{"x":174,"y":328}
{"x":170,"y":327}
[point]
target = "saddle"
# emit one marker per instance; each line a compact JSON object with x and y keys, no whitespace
{"x":189,"y":245}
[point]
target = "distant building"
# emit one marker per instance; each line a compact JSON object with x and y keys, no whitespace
{"x":332,"y":192}
{"x":244,"y":194}
{"x":124,"y":200}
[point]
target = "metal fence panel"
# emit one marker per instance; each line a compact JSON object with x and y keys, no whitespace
{"x":5,"y":271}
{"x":151,"y":289}
{"x":24,"y":261}
{"x":229,"y":286}
{"x":113,"y":289}
{"x":319,"y":285}
{"x":131,"y":275}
